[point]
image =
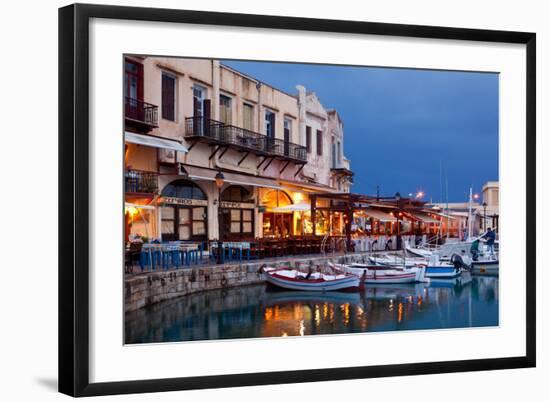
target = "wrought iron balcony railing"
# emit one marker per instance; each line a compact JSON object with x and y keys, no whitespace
{"x":137,"y":181}
{"x":141,"y":112}
{"x":223,"y":134}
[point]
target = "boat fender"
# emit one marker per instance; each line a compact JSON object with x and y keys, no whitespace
{"x":223,"y":282}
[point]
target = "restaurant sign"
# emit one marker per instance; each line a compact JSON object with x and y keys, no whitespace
{"x":182,"y":201}
{"x":237,"y":205}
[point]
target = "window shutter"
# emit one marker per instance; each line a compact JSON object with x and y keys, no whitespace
{"x":319,"y":142}
{"x":140,"y":81}
{"x":308,"y":139}
{"x":168,"y":97}
{"x":207,"y":108}
{"x":272,"y":122}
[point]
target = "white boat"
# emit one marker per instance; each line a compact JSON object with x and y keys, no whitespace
{"x":459,"y":281}
{"x":291,"y":279}
{"x":417,"y":252}
{"x":485,"y":265}
{"x":392,"y":260}
{"x":381,"y":275}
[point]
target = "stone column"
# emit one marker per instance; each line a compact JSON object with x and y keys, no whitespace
{"x":215,"y":101}
{"x":302,"y":113}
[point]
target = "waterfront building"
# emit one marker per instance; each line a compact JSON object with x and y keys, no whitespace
{"x":485,"y":213}
{"x":186,"y":120}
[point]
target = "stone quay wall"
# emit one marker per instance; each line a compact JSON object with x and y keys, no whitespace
{"x":145,"y":289}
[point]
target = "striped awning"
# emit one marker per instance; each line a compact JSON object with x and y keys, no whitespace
{"x":424,"y":218}
{"x":154,"y":142}
{"x":379,"y":215}
{"x":201,"y":173}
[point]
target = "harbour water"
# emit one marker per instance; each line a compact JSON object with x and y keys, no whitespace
{"x":257,"y":311}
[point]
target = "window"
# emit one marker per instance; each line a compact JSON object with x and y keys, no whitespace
{"x":248,"y":116}
{"x":308,"y":139}
{"x":168,"y":97}
{"x":339,"y":152}
{"x":235,"y":193}
{"x":237,"y":222}
{"x":333,"y":154}
{"x":287,"y":134}
{"x":183,"y":189}
{"x":199,"y":95}
{"x":225,"y":109}
{"x":133,"y":80}
{"x":133,"y":90}
{"x":182,"y":222}
{"x":319,"y":142}
{"x":270,"y":124}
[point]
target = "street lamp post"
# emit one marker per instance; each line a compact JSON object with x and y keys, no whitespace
{"x":484,"y":216}
{"x":219,"y":183}
{"x":398,"y":237}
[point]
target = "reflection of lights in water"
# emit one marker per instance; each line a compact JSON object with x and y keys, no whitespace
{"x":302,"y":328}
{"x":284,"y":334}
{"x":317,"y":315}
{"x":268,"y":314}
{"x":419,"y":302}
{"x":325,"y":311}
{"x":346,"y":313}
{"x":296,"y":312}
{"x":391,"y":305}
{"x":331,"y":313}
{"x":410,"y":298}
{"x":360,"y":311}
{"x":399,"y":312}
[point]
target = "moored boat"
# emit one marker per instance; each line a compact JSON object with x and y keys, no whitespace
{"x":442,"y":271}
{"x":485,"y":266}
{"x":292,"y":279}
{"x":385,"y":275}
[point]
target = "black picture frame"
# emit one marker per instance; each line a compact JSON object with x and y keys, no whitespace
{"x":74,"y":201}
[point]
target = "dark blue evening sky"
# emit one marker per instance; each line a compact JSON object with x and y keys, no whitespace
{"x":401,"y":126}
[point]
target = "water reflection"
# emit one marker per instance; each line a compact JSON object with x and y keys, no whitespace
{"x":467,"y":301}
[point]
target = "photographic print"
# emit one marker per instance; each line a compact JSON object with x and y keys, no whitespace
{"x":275,"y":199}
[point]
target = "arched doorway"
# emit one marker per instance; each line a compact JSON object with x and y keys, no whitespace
{"x":276,"y":224}
{"x":183,"y":212}
{"x":237,"y":210}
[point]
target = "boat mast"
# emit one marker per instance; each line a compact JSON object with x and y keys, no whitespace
{"x":447,"y":196}
{"x":470,"y":215}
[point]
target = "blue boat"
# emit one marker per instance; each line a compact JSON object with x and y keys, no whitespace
{"x":443,"y":271}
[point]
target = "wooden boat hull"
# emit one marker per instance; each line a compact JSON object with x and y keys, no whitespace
{"x":387,"y":275}
{"x":349,"y":283}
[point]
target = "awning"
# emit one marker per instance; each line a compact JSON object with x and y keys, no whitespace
{"x":200,"y":173}
{"x":379,"y":215}
{"x":302,"y":207}
{"x":154,"y":142}
{"x":147,"y":207}
{"x":307,"y":187}
{"x":424,"y":217}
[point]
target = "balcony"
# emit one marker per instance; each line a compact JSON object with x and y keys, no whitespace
{"x":342,"y":169}
{"x":140,"y":115}
{"x":215,"y":132}
{"x":140,"y":182}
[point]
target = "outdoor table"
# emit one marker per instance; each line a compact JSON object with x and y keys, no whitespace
{"x":158,"y":254}
{"x":231,"y":246}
